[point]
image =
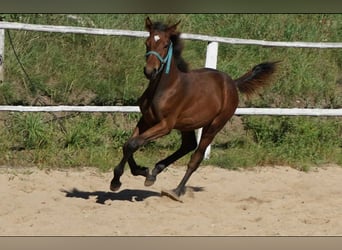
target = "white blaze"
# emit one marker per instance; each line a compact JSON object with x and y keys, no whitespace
{"x":156,"y":38}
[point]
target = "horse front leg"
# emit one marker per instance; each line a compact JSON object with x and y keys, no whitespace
{"x":115,"y":184}
{"x":132,"y":145}
{"x":136,"y":170}
{"x":189,"y":143}
{"x":128,"y":157}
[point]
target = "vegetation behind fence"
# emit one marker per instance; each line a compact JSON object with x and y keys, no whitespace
{"x":74,"y":69}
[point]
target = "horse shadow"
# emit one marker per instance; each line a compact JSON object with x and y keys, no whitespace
{"x":131,"y":195}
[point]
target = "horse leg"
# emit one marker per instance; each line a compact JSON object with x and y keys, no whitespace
{"x":189,"y":143}
{"x":132,"y":145}
{"x":115,"y":184}
{"x":128,"y":156}
{"x":208,"y":135}
{"x":119,"y":169}
{"x":135,"y":168}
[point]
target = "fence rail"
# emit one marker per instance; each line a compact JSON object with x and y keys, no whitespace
{"x":119,"y":32}
{"x":130,"y":109}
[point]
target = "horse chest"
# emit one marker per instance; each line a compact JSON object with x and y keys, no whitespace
{"x":155,"y":109}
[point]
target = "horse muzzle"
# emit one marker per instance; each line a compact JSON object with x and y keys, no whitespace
{"x":150,"y":73}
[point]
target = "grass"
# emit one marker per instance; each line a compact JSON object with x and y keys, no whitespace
{"x":76,"y":69}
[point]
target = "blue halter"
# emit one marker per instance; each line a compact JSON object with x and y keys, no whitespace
{"x":166,"y":59}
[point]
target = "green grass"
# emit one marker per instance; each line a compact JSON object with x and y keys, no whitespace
{"x":74,"y":69}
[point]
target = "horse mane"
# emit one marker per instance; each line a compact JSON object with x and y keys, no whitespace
{"x":178,"y":46}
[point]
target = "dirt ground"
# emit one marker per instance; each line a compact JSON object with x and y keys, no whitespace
{"x":263,"y":201}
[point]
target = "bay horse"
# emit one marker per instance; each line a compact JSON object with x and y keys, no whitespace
{"x":185,"y":100}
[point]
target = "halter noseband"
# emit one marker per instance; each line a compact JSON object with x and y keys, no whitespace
{"x":166,"y":59}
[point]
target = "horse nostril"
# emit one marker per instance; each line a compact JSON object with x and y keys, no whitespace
{"x":149,"y":72}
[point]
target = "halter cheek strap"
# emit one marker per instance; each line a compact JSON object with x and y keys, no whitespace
{"x":166,"y":59}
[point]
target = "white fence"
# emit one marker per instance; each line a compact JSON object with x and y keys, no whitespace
{"x":117,"y":32}
{"x":128,"y":109}
{"x":211,"y":61}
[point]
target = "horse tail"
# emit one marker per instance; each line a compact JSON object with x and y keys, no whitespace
{"x":256,"y":78}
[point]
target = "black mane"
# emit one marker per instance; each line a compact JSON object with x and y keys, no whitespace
{"x":177,"y":46}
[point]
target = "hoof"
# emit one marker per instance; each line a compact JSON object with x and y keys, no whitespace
{"x":115,"y":186}
{"x":150,"y":180}
{"x":171,"y":194}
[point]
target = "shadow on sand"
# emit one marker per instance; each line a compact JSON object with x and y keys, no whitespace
{"x":102,"y":197}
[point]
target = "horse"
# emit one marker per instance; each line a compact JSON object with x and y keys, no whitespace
{"x":185,"y":100}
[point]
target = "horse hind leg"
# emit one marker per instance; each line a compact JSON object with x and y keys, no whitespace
{"x":193,"y":164}
{"x":207,"y":137}
{"x":188,"y":144}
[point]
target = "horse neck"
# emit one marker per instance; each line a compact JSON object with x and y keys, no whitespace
{"x":165,"y":79}
{"x":161,"y":83}
{"x":170,"y":77}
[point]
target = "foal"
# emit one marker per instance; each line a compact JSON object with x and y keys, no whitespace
{"x":182,"y":99}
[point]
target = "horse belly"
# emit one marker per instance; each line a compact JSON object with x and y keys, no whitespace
{"x":194,"y":120}
{"x":201,"y":111}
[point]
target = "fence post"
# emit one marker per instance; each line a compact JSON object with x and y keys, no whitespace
{"x":2,"y":51}
{"x":210,"y":62}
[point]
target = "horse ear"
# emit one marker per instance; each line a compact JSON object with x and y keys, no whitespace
{"x":173,"y":28}
{"x":148,"y":24}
